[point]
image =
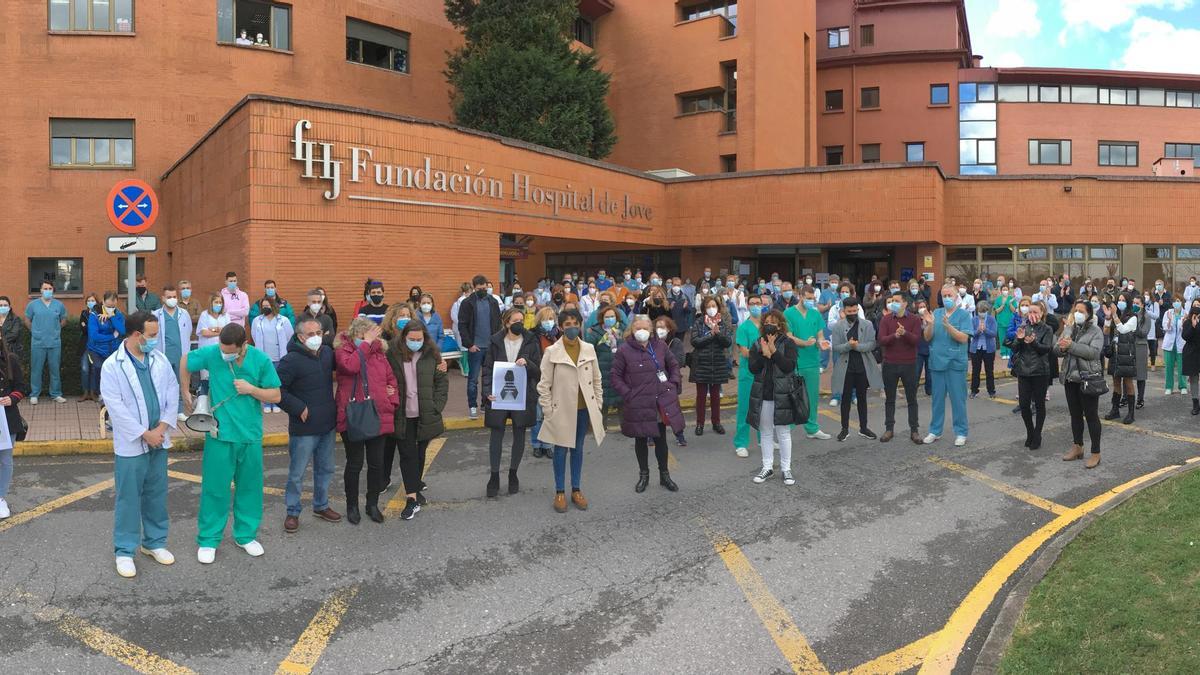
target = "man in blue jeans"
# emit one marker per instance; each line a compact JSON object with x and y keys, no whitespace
{"x":478,"y":321}
{"x":306,"y":395}
{"x":46,"y":317}
{"x":948,"y":329}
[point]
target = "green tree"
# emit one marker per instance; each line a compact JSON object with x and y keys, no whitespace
{"x":517,"y":76}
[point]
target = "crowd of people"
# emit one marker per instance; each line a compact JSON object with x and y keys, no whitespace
{"x":582,"y":349}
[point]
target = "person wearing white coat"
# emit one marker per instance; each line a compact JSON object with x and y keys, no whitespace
{"x":271,"y":332}
{"x":141,"y":394}
{"x":1172,"y":348}
{"x":175,"y":333}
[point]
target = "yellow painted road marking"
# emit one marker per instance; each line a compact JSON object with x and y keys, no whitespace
{"x":315,"y":638}
{"x":1005,"y":401}
{"x":906,"y":658}
{"x":788,"y":638}
{"x":396,"y":504}
{"x":943,"y":654}
{"x":1157,"y":434}
{"x":113,"y":646}
{"x":1011,"y":491}
{"x":43,"y":509}
{"x":193,"y":478}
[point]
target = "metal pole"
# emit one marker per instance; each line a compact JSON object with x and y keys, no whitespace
{"x":131,"y":282}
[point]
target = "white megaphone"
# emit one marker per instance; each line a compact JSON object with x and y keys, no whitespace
{"x":201,"y":420}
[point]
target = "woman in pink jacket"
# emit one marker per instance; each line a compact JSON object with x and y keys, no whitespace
{"x":358,"y":351}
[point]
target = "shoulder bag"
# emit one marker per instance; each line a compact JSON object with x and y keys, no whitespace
{"x":1093,"y":384}
{"x":362,"y":419}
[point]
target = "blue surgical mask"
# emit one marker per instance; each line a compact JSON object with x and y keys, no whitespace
{"x":845,"y":295}
{"x":894,"y":307}
{"x":414,"y":345}
{"x":217,"y":307}
{"x":914,"y":290}
{"x":47,"y":294}
{"x":949,"y":300}
{"x":548,"y":325}
{"x":572,"y":333}
{"x":270,"y":292}
{"x":402,"y":322}
{"x":149,"y":344}
{"x":229,"y":358}
{"x":232,"y":285}
{"x":610,"y":321}
{"x":1096,"y":306}
{"x":756,"y":311}
{"x":810,"y":304}
{"x":6,"y":309}
{"x":1177,"y":305}
{"x":787,"y":295}
{"x":186,"y":293}
{"x":91,"y":304}
{"x":1121,"y":305}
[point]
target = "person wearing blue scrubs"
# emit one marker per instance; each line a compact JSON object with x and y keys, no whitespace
{"x":948,"y":330}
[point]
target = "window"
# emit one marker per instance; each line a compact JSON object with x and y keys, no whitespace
{"x":833,"y":155}
{"x":65,"y":273}
{"x":123,"y":272}
{"x":1182,"y":150}
{"x":961,"y":253}
{"x":914,"y":152}
{"x":870,"y":153}
{"x":1036,"y":253}
{"x":1118,"y":154}
{"x":1153,"y":97}
{"x":728,"y":163}
{"x":729,"y":75}
{"x":1121,"y":96}
{"x":1104,"y":253}
{"x":866,"y":35}
{"x":839,"y":37}
{"x":700,"y":10}
{"x":977,"y":129}
{"x":1181,"y":99}
{"x":1014,"y":93}
{"x":869,"y":98}
{"x":584,"y":30}
{"x":92,"y":15}
{"x":833,"y":100}
{"x":99,"y":143}
{"x":377,"y":46}
{"x":1068,"y":253}
{"x":251,"y":23}
{"x":997,"y":253}
{"x":1084,"y":95}
{"x":939,"y":94}
{"x":694,"y":103}
{"x":1049,"y":152}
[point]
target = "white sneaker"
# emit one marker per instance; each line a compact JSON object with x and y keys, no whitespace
{"x":931,"y":439}
{"x":960,"y":441}
{"x":763,"y":475}
{"x":819,"y":435}
{"x":161,"y":555}
{"x":182,"y":417}
{"x":254,"y":548}
{"x":742,"y":452}
{"x":59,"y":399}
{"x":788,"y":479}
{"x":206,"y":555}
{"x":1167,"y":392}
{"x":833,"y":403}
{"x":4,"y":513}
{"x":473,"y":413}
{"x":126,"y":568}
{"x":33,"y":400}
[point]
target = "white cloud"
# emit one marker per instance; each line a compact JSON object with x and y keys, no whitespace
{"x":1108,"y":14}
{"x":1006,"y":60}
{"x":1158,"y":46}
{"x":1014,"y":18}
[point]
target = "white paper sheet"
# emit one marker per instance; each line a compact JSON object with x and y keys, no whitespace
{"x":508,"y":386}
{"x":6,"y":442}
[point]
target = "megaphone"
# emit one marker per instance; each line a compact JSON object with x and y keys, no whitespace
{"x":201,"y":420}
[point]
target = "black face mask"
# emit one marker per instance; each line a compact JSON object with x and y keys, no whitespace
{"x":266,"y":310}
{"x":377,"y":299}
{"x":141,"y":290}
{"x":558,"y":298}
{"x":1195,"y":310}
{"x":516,"y":329}
{"x":852,"y":318}
{"x":481,"y":293}
{"x":770,"y":329}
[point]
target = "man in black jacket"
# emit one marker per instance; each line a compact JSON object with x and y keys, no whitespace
{"x":478,"y":321}
{"x":306,"y":390}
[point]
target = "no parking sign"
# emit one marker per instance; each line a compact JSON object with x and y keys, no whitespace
{"x":132,"y":206}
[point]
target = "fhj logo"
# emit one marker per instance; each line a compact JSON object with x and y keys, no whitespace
{"x":319,"y":163}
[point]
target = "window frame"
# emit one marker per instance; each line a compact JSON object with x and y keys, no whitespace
{"x":934,"y":87}
{"x":840,"y":150}
{"x":1050,"y":141}
{"x":729,"y":163}
{"x":1100,"y":146}
{"x":841,"y":94}
{"x":392,"y":50}
{"x":581,"y":19}
{"x":1169,"y":155}
{"x":716,"y":96}
{"x":862,"y":151}
{"x":271,"y":28}
{"x":842,"y":33}
{"x":91,"y":30}
{"x":862,"y":95}
{"x":91,"y":164}
{"x":865,"y":31}
{"x":34,"y":290}
{"x":911,"y":144}
{"x":696,"y":11}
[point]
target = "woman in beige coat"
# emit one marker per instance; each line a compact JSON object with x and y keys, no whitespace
{"x":570,"y":392}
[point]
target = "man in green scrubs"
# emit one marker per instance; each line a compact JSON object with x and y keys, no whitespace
{"x":240,"y":379}
{"x":748,"y":332}
{"x":807,"y":327}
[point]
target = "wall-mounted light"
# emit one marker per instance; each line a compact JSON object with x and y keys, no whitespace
{"x":1066,"y":188}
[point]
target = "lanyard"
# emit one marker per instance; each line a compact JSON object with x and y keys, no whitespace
{"x":650,"y":350}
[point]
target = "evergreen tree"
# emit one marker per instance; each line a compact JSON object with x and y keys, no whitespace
{"x":517,"y":76}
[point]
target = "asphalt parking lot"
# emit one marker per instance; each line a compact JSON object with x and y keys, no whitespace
{"x":882,"y":558}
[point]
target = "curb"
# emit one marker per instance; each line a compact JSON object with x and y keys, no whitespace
{"x":1001,"y":633}
{"x":195,"y":444}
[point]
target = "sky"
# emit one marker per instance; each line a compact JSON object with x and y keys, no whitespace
{"x":1145,"y":35}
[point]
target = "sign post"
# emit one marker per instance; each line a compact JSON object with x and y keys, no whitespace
{"x":132,"y":208}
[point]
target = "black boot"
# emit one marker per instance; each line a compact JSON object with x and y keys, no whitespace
{"x":643,"y":481}
{"x":352,"y":515}
{"x":514,"y":485}
{"x":1196,"y":406}
{"x":1129,"y":403}
{"x":374,"y":513}
{"x":1116,"y":408}
{"x":493,"y":486}
{"x":699,"y":429}
{"x":664,"y":479}
{"x":718,"y":429}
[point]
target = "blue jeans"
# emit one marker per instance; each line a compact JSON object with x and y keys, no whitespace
{"x":85,"y":371}
{"x":6,"y":469}
{"x":140,"y":515}
{"x":923,"y":365}
{"x":537,"y":427}
{"x":40,"y":357}
{"x":953,"y":383}
{"x":475,"y":362}
{"x":560,"y":455}
{"x":302,"y":449}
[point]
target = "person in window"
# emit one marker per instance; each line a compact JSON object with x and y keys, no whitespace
{"x":243,"y":38}
{"x":259,"y":41}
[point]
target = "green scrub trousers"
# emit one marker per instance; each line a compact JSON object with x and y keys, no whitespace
{"x":242,"y":465}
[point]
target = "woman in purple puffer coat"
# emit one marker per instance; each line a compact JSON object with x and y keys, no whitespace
{"x":646,"y":375}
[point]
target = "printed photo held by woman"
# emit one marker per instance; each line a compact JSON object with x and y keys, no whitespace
{"x":647,"y":376}
{"x":516,"y":345}
{"x":423,"y":385}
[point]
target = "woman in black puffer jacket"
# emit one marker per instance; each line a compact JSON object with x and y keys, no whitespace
{"x":1031,"y":353}
{"x":712,"y":335}
{"x":773,"y":362}
{"x":1121,"y":326}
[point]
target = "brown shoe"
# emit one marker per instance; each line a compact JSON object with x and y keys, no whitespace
{"x":1093,"y":460}
{"x":579,"y":500}
{"x":560,"y":502}
{"x":887,"y":436}
{"x":329,"y":515}
{"x":291,"y":524}
{"x":1076,"y":452}
{"x":916,"y":438}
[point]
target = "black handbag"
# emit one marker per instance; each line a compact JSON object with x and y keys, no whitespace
{"x":799,"y":399}
{"x":1093,"y":384}
{"x":362,"y":419}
